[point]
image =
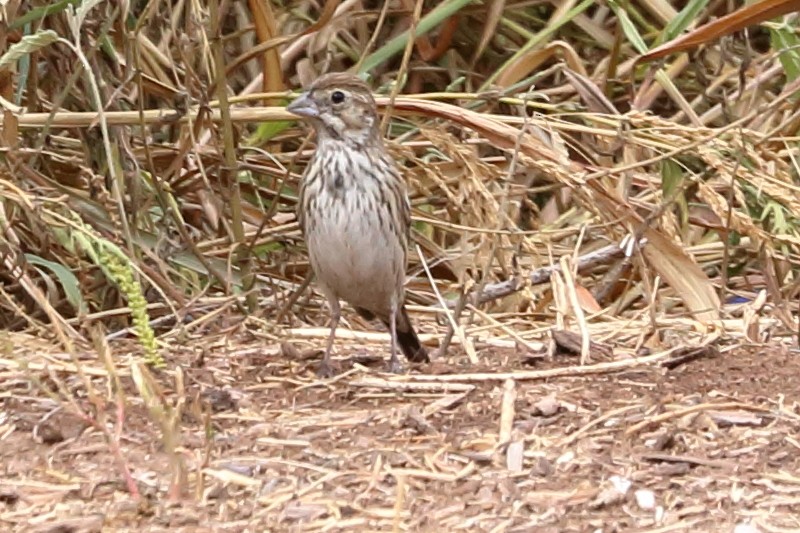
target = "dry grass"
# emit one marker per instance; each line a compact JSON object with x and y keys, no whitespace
{"x":642,"y":217}
{"x":690,"y":439}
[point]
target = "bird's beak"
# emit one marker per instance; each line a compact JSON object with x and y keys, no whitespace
{"x":304,"y":106}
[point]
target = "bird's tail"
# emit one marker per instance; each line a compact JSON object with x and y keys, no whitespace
{"x":408,"y":340}
{"x":406,"y":336}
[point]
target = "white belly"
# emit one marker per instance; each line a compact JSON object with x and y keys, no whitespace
{"x":354,"y":252}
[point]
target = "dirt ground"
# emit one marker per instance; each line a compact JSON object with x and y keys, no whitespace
{"x":710,"y":444}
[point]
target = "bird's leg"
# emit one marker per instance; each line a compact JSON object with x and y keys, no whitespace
{"x":326,"y":369}
{"x":395,"y":366}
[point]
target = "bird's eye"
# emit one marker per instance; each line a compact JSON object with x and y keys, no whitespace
{"x":337,"y":97}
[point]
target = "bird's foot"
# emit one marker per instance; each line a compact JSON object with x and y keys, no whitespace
{"x":421,"y":356}
{"x":326,"y":369}
{"x":396,"y":367}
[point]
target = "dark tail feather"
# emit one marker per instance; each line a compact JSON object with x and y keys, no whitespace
{"x":406,"y":336}
{"x":366,"y":313}
{"x":408,"y":340}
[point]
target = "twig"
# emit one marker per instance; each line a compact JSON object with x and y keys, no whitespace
{"x":507,"y":411}
{"x":529,"y":375}
{"x":614,"y":413}
{"x":240,"y":254}
{"x":452,"y":317}
{"x":580,"y":318}
{"x":689,"y":410}
{"x":541,"y":275}
{"x":378,"y":383}
{"x":454,"y":326}
{"x":287,"y":305}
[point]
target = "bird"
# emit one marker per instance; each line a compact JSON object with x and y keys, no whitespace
{"x":354,"y":213}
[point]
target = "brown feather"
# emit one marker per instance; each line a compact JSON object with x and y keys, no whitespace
{"x":354,"y":211}
{"x":341,"y":80}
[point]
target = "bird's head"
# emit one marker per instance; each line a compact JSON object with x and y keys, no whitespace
{"x":340,"y":106}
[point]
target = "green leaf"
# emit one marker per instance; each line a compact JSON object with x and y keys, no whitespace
{"x":628,"y":27}
{"x":67,"y":279}
{"x":671,"y":176}
{"x":427,"y":23}
{"x":264,"y":250}
{"x":686,"y":16}
{"x":671,"y":179}
{"x":266,"y":131}
{"x":785,"y":41}
{"x":41,"y":12}
{"x":539,"y":39}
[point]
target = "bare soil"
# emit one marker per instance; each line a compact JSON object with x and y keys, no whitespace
{"x":705,"y":446}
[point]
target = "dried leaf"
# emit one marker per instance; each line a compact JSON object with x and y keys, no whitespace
{"x":749,"y":15}
{"x":27,"y":45}
{"x":683,"y":274}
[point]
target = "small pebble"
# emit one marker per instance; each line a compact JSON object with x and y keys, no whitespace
{"x":621,"y":484}
{"x":645,"y":499}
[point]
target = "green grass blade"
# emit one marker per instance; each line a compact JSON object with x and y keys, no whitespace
{"x":427,"y":23}
{"x":540,"y":38}
{"x":628,"y":27}
{"x":41,"y":12}
{"x":67,"y":279}
{"x":680,"y":23}
{"x":784,"y":40}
